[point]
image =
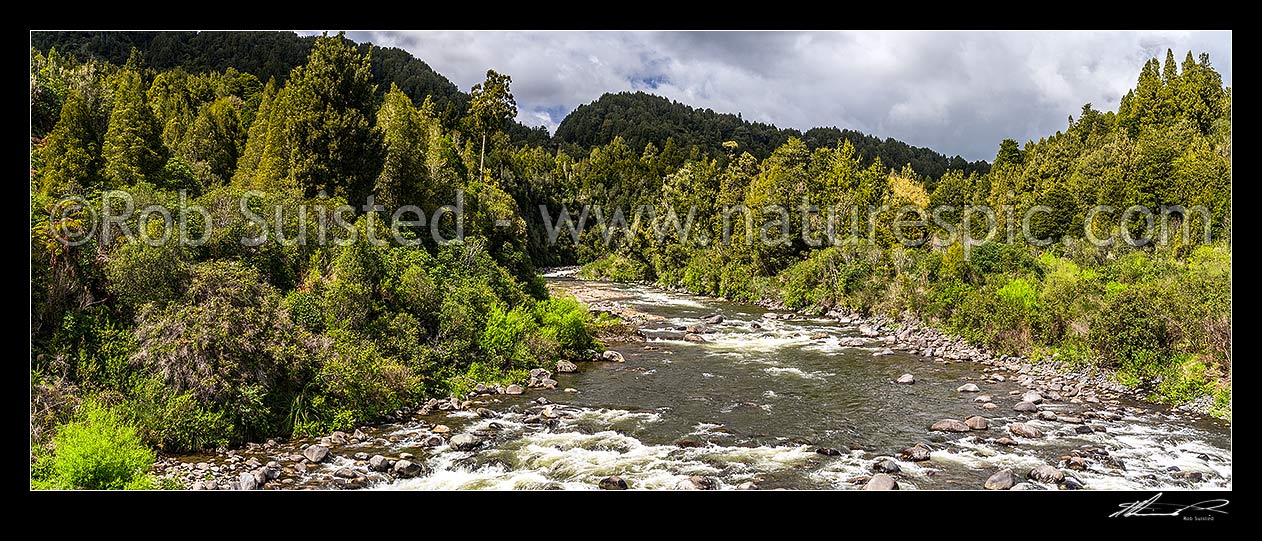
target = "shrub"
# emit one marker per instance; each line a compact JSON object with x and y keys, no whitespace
{"x":565,"y":321}
{"x":99,"y":451}
{"x":615,"y":268}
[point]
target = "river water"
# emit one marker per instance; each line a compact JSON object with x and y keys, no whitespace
{"x":754,"y":404}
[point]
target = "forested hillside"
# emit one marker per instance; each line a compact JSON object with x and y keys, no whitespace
{"x":641,"y":118}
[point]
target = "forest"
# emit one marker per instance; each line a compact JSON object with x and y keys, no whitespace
{"x":166,"y":347}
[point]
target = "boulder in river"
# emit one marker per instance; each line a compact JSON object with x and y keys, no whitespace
{"x":1025,"y":407}
{"x":612,"y":356}
{"x":514,"y":389}
{"x":1032,"y":396}
{"x":696,"y":329}
{"x":1073,"y":420}
{"x":712,"y":320}
{"x":982,"y":398}
{"x":968,"y":388}
{"x":886,"y":465}
{"x":819,"y":335}
{"x":613,"y":482}
{"x":690,"y":337}
{"x":881,"y":481}
{"x":1024,"y":430}
{"x":989,"y":406}
{"x":977,"y":422}
{"x":1001,"y":480}
{"x":246,"y":481}
{"x":565,"y":367}
{"x":697,"y":482}
{"x":915,"y":453}
{"x":316,"y":453}
{"x":1046,"y":474}
{"x":379,"y":463}
{"x":1006,"y":441}
{"x":906,"y":379}
{"x":405,"y":469}
{"x":1047,"y":415}
{"x":465,"y":442}
{"x":828,"y":451}
{"x":949,"y":425}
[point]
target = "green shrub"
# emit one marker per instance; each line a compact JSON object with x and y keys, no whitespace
{"x":1183,"y":382}
{"x":98,"y":450}
{"x":565,"y":321}
{"x":615,"y":268}
{"x":1131,"y":331}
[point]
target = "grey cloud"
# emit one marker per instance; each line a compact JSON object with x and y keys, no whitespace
{"x":955,"y":92}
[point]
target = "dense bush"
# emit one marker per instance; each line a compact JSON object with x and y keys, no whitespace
{"x":98,"y":450}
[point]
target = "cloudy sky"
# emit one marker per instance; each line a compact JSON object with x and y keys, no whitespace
{"x":955,"y":92}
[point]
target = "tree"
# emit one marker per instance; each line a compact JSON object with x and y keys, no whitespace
{"x":491,"y":104}
{"x":71,"y":153}
{"x":133,"y":150}
{"x":404,"y":138}
{"x":321,"y":136}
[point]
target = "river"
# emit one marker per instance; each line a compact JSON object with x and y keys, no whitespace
{"x":758,"y":403}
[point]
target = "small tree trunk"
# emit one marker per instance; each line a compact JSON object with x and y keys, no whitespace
{"x":482,"y":161}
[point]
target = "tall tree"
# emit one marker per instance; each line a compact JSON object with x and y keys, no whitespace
{"x":404,"y":138}
{"x":133,"y":150}
{"x":321,"y":136}
{"x":491,"y":104}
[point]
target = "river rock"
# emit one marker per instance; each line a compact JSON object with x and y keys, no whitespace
{"x":881,"y":481}
{"x":949,"y":425}
{"x":1024,"y":430}
{"x":1046,"y":474}
{"x":612,"y":356}
{"x":968,"y":388}
{"x":434,"y":440}
{"x":344,"y":473}
{"x":915,"y":453}
{"x":819,"y":335}
{"x":868,"y":331}
{"x":977,"y":422}
{"x":514,"y":389}
{"x":712,"y":320}
{"x":1006,"y":441}
{"x":359,"y":435}
{"x":613,"y":482}
{"x":1001,"y":480}
{"x":406,"y":469}
{"x":690,"y":337}
{"x":548,"y":383}
{"x":886,"y":351}
{"x":1070,"y":419}
{"x":1047,"y":415}
{"x":1032,"y":396}
{"x":465,"y":442}
{"x":828,"y":451}
{"x":747,"y":485}
{"x":906,"y":379}
{"x":316,"y":453}
{"x":982,"y":398}
{"x":1072,"y":483}
{"x":566,"y":367}
{"x":989,"y":406}
{"x":688,"y":442}
{"x":440,"y":429}
{"x":379,"y":463}
{"x":886,"y":466}
{"x":246,"y":481}
{"x":1076,"y":463}
{"x":1025,"y":407}
{"x":697,"y":482}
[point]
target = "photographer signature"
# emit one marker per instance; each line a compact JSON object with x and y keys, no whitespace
{"x":1150,"y":507}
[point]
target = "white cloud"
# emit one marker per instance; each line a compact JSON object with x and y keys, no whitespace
{"x":955,"y":92}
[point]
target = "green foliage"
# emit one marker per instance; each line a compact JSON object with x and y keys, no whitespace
{"x":97,"y":451}
{"x":615,"y":268}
